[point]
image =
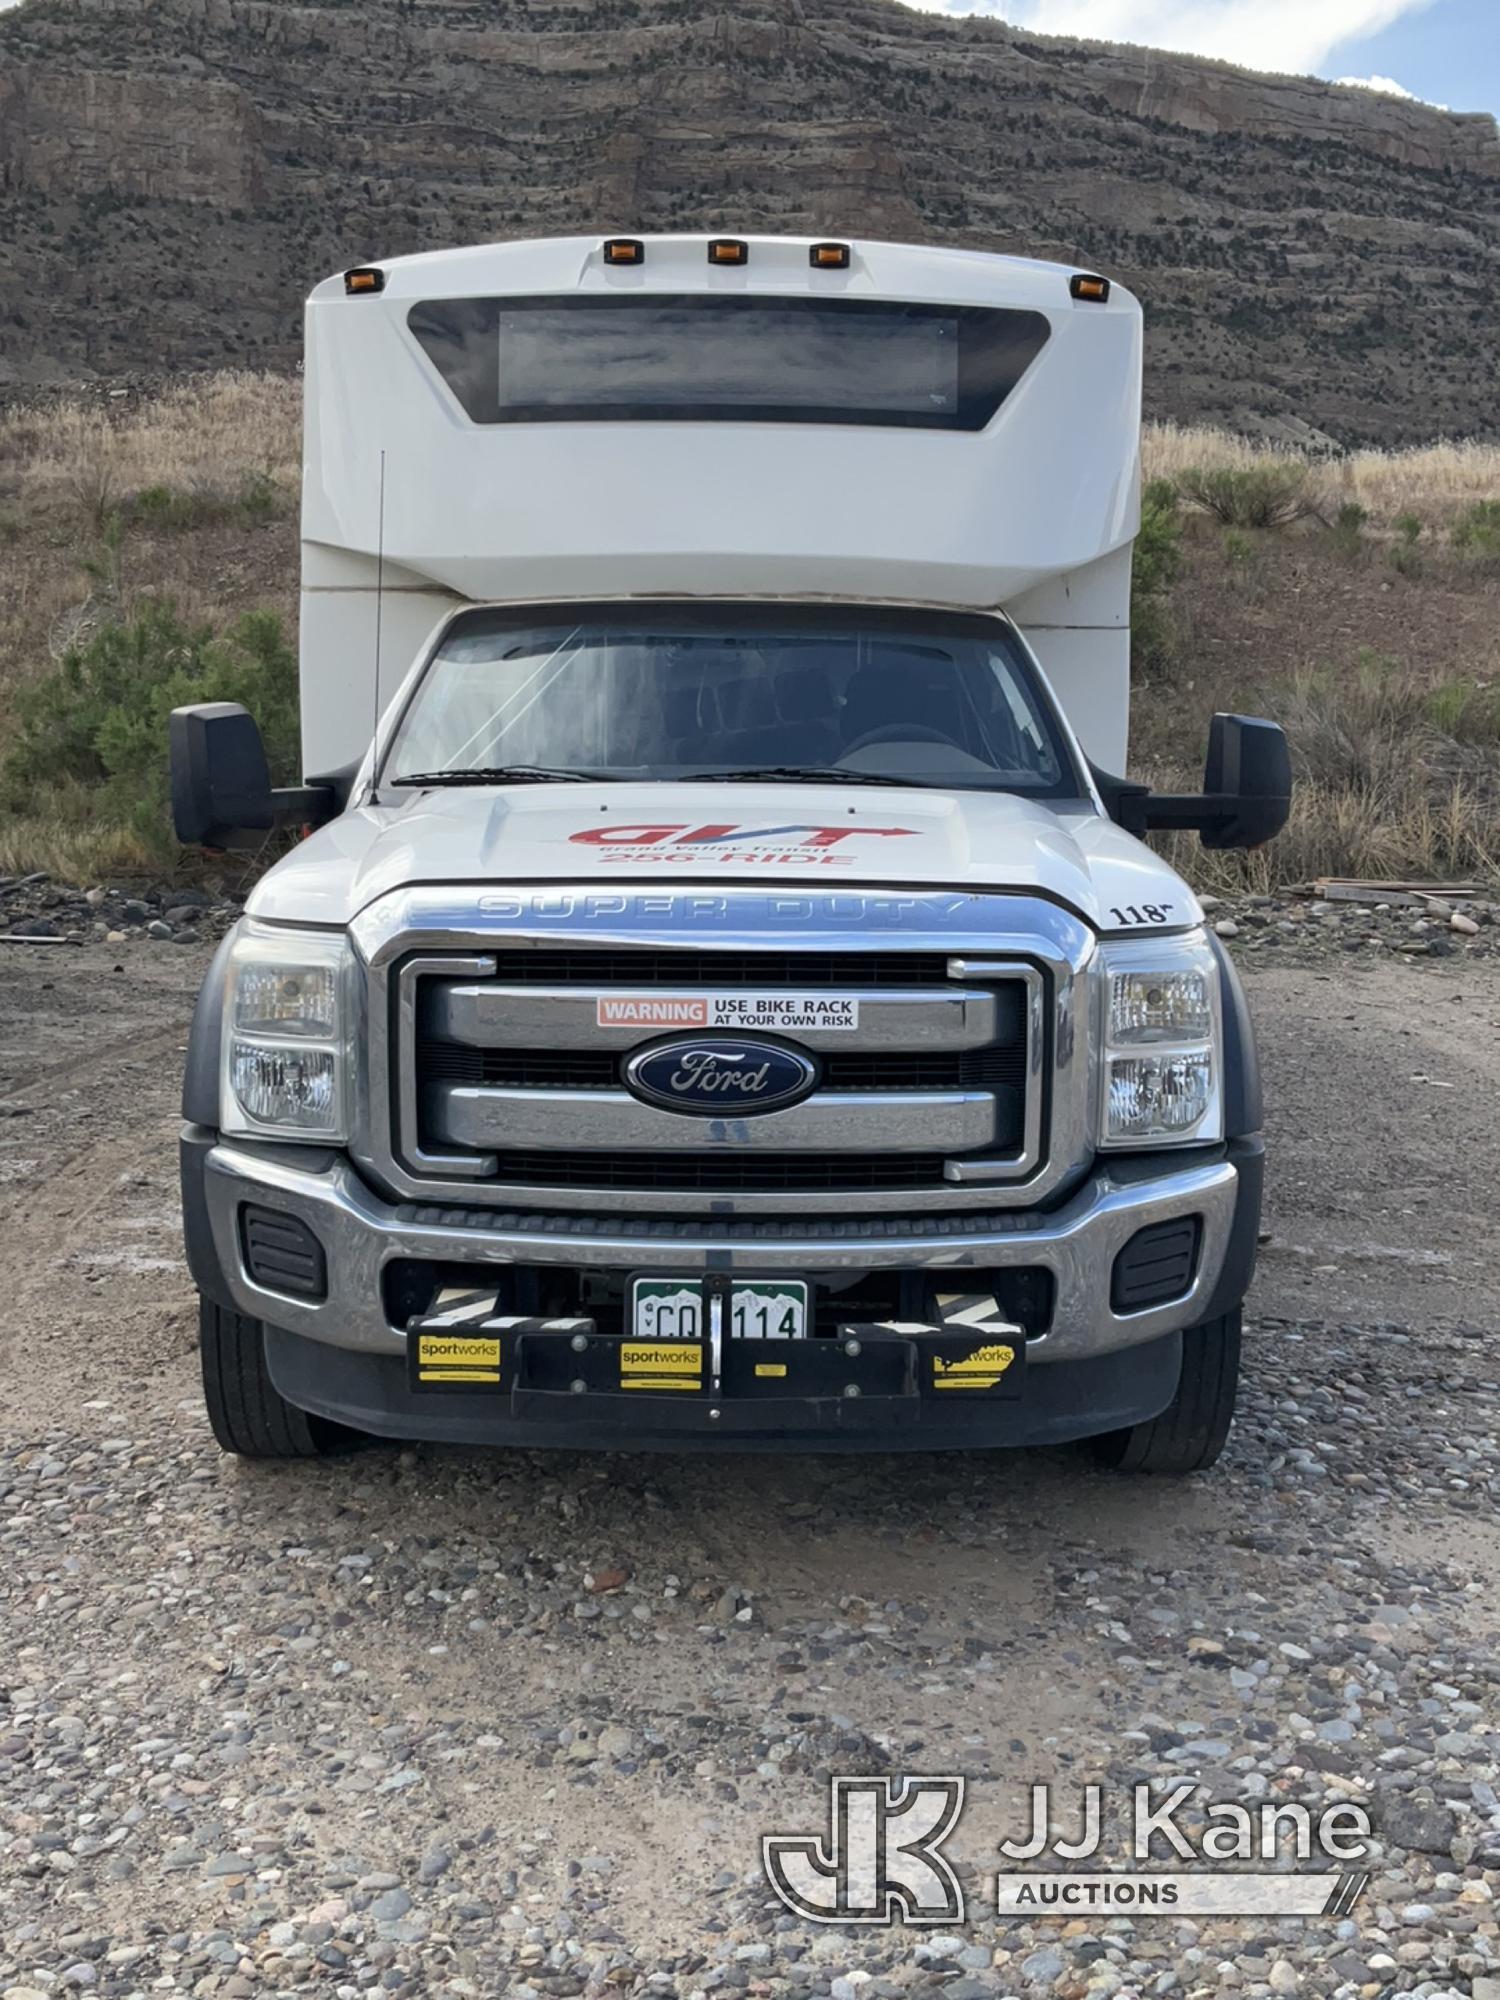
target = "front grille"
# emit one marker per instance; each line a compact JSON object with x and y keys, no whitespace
{"x":524,"y":1027}
{"x":715,"y":1173}
{"x":753,"y":969}
{"x":601,"y":1069}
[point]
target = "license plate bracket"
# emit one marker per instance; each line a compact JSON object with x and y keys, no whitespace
{"x":753,"y":1309}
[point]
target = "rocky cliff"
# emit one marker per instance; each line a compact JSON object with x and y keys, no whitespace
{"x":173,"y":177}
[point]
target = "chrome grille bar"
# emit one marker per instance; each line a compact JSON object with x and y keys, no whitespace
{"x":498,"y":1015}
{"x":602,"y":1121}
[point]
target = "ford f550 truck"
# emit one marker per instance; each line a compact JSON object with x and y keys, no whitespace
{"x":724,"y":998}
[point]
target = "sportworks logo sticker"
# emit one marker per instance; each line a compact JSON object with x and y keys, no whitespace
{"x":711,"y":845}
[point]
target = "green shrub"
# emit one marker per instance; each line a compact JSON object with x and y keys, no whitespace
{"x":1410,"y":528}
{"x":256,"y":499}
{"x":1157,"y":565}
{"x":1240,"y":551}
{"x":96,"y":725}
{"x":1348,"y":528}
{"x":1256,"y":496}
{"x":1477,"y":531}
{"x":1468,"y":711}
{"x":103,"y":564}
{"x":260,"y":499}
{"x":1158,"y":548}
{"x":163,"y":507}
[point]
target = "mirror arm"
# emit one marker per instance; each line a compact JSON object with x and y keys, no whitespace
{"x":291,"y":805}
{"x":1124,"y":799}
{"x":1187,"y":811}
{"x":303,"y":805}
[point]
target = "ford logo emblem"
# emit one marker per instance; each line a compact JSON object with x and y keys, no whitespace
{"x":723,"y":1076}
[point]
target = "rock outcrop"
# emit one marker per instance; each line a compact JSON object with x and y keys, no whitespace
{"x":174,"y":177}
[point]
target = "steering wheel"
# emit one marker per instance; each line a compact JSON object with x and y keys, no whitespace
{"x":899,"y":732}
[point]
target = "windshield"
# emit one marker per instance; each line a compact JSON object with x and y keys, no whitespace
{"x":642,"y":692}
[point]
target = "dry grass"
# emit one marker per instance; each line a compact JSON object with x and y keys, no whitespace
{"x":210,"y":432}
{"x":1392,"y":778}
{"x":72,"y":850}
{"x":1367,"y":835}
{"x":203,"y":437}
{"x":1436,"y":482}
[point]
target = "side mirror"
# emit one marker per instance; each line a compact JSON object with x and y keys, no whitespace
{"x":1249,"y":768}
{"x":1247,"y":789}
{"x":221,"y":782}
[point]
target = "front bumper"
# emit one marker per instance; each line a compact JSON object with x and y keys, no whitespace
{"x":1093,"y":1369}
{"x":372,"y":1392}
{"x":1077,"y":1242}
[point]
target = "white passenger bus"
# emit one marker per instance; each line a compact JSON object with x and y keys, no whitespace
{"x":727,"y":999}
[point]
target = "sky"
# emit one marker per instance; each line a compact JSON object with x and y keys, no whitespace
{"x":1446,"y":51}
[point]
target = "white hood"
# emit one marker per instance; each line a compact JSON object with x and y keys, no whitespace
{"x":650,"y":834}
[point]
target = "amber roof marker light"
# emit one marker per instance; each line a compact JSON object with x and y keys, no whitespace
{"x":624,"y":250}
{"x":727,"y":250}
{"x":829,"y":256}
{"x":363,"y":278}
{"x":1089,"y":287}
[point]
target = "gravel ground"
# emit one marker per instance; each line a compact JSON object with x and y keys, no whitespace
{"x":429,"y":1722}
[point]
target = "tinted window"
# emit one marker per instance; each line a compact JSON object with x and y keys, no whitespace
{"x":647,"y":357}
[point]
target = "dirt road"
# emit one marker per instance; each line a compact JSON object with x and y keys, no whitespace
{"x":425,"y":1721}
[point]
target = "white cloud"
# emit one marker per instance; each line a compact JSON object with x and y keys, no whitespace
{"x":1297,"y":36}
{"x":1387,"y":86}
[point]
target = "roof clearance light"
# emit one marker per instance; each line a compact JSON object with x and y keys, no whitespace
{"x":829,"y":256}
{"x":365,"y":279}
{"x":624,"y":250}
{"x":727,"y":250}
{"x":1087,"y":286}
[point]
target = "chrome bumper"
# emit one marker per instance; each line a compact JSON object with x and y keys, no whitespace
{"x":360,"y":1233}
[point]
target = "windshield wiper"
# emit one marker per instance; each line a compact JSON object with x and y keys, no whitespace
{"x":806,"y":774}
{"x":502,"y":774}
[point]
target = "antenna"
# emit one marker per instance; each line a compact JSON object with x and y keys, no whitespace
{"x":379,"y":608}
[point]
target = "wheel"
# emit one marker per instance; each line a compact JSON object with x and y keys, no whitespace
{"x":1191,"y":1431}
{"x":248,"y":1414}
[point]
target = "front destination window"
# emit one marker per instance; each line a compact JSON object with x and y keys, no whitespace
{"x":854,"y":697}
{"x":693,"y":358}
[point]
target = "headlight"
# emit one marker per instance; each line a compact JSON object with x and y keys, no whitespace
{"x":285,"y":1068}
{"x":1161,"y":1042}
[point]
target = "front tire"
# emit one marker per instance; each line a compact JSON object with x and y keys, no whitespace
{"x":248,"y":1414}
{"x":1191,"y":1431}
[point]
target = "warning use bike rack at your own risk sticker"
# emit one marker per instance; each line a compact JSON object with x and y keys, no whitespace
{"x":801,"y":1013}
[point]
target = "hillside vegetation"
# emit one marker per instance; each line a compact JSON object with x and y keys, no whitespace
{"x":150,"y":551}
{"x":173,"y":176}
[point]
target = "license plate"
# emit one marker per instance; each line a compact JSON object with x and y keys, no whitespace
{"x":759,"y":1309}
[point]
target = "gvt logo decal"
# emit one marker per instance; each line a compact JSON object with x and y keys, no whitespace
{"x":727,"y":842}
{"x":882,"y":1861}
{"x":722,"y":1077}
